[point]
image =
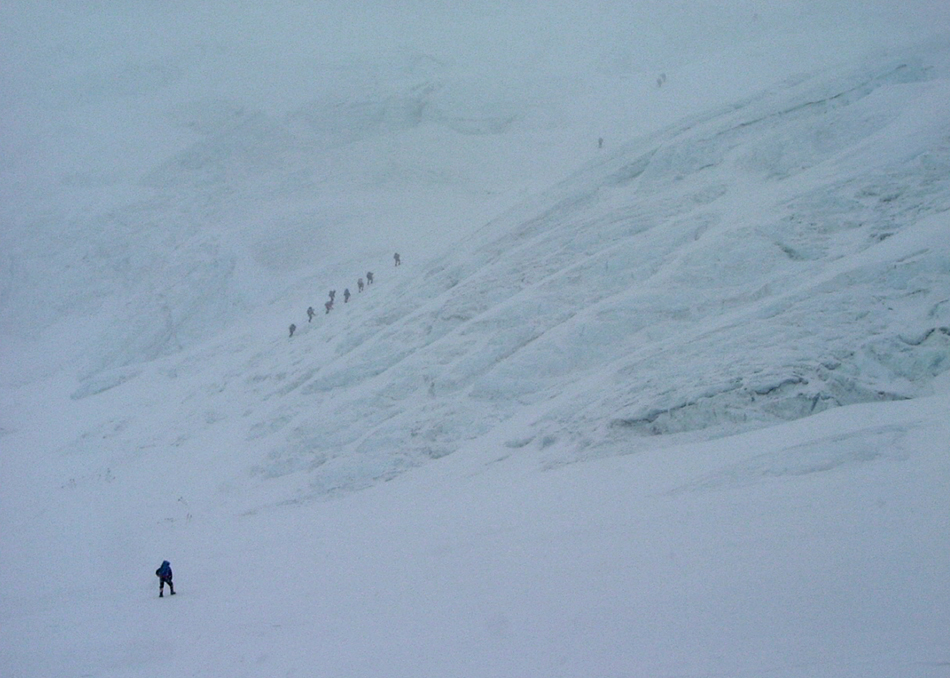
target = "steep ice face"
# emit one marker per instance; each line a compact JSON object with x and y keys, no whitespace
{"x":766,"y":257}
{"x":753,"y":266}
{"x":757,"y":264}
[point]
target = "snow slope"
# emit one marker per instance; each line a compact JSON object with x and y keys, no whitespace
{"x":815,"y":548}
{"x":736,"y":315}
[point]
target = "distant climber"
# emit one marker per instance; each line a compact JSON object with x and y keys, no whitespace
{"x":310,"y":313}
{"x":332,"y":295}
{"x":164,"y":574}
{"x":292,"y":328}
{"x":346,"y":295}
{"x":359,"y":285}
{"x":328,"y":305}
{"x":600,"y":142}
{"x":369,"y":277}
{"x":397,"y":259}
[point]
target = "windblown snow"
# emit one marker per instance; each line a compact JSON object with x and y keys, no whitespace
{"x":673,"y":404}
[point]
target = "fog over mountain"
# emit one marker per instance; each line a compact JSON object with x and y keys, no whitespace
{"x":659,"y":388}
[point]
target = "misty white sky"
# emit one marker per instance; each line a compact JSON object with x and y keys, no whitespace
{"x":60,"y":62}
{"x":46,"y":46}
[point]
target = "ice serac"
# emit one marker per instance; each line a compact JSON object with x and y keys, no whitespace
{"x":757,"y":264}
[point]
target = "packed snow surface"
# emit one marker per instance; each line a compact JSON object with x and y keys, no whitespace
{"x":660,"y":387}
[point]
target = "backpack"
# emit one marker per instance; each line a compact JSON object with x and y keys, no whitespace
{"x":165,"y":571}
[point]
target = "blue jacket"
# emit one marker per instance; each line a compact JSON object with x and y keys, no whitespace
{"x":165,"y":571}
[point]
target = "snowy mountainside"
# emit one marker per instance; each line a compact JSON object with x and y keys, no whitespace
{"x":599,"y":311}
{"x":230,"y":206}
{"x":753,"y":265}
{"x":734,"y":315}
{"x":148,"y":156}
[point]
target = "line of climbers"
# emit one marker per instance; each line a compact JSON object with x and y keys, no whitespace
{"x":328,"y":305}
